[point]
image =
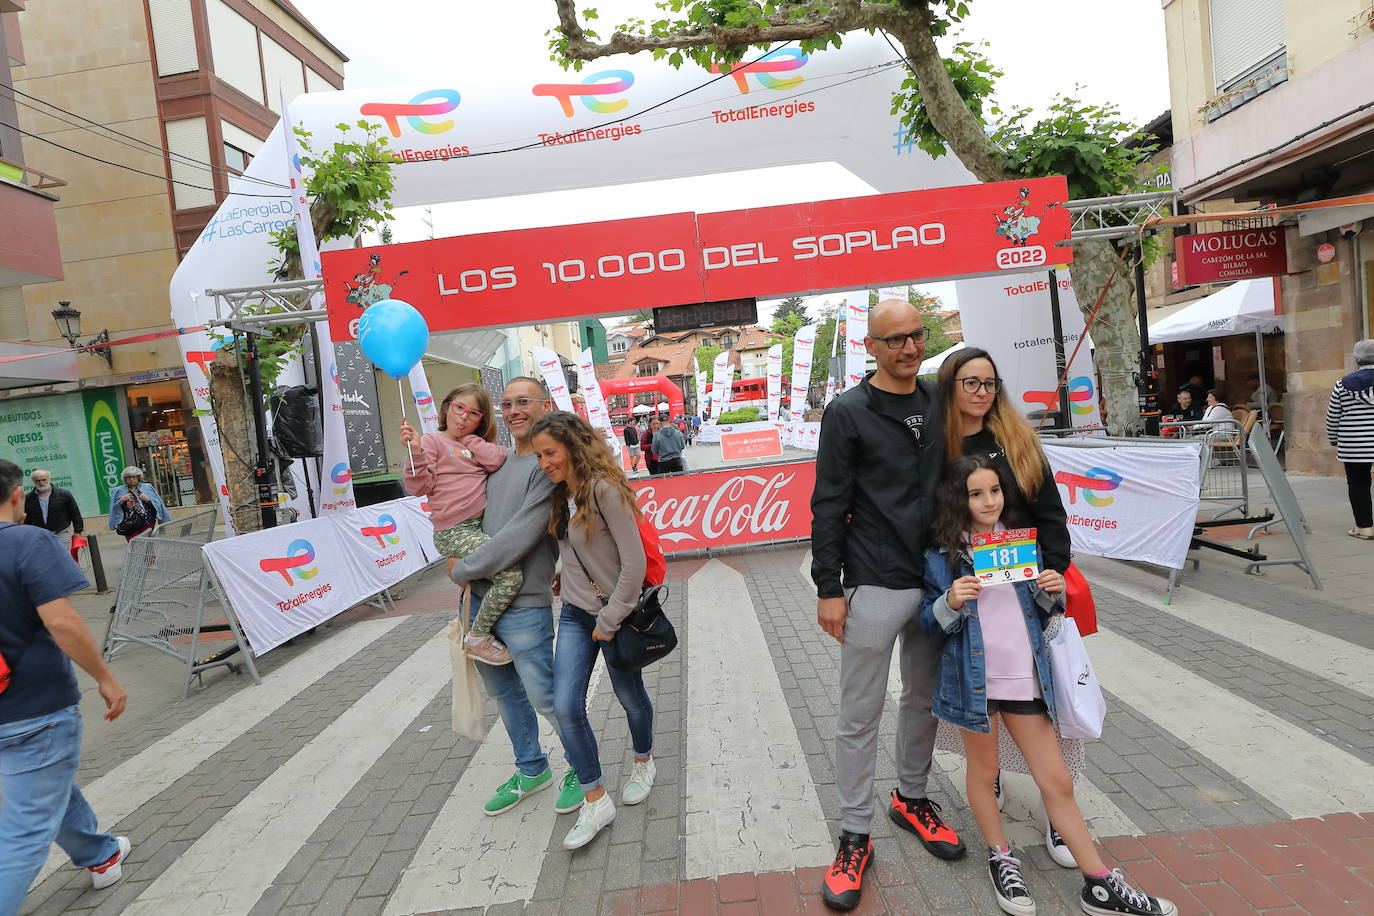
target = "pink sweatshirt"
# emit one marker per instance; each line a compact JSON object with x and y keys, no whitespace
{"x":453,"y":474}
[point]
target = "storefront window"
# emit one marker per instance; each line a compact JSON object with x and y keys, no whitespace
{"x":1364,"y":251}
{"x":167,"y":442}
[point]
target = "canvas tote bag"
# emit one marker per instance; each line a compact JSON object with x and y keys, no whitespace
{"x":467,"y":695}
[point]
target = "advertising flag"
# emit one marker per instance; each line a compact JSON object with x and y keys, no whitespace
{"x":424,"y":399}
{"x":720,"y":383}
{"x":774,"y":381}
{"x":703,"y":404}
{"x":802,"y":346}
{"x":551,"y":367}
{"x":337,"y":473}
{"x":856,"y":329}
{"x":597,"y":414}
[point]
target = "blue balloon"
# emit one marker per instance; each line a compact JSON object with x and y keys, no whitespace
{"x":393,"y":334}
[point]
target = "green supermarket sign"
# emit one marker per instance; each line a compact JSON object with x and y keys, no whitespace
{"x":107,"y":445}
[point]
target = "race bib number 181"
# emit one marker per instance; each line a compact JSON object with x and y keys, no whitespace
{"x":1000,"y":557}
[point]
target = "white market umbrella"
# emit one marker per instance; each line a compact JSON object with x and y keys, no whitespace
{"x":1244,"y":307}
{"x":932,"y":365}
{"x":663,"y":405}
{"x":643,"y":409}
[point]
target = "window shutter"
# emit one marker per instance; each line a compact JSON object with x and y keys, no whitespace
{"x":1245,"y":34}
{"x":188,"y":137}
{"x":174,"y":36}
{"x":14,"y":324}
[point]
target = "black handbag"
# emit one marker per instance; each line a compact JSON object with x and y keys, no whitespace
{"x":133,"y":518}
{"x":645,"y":636}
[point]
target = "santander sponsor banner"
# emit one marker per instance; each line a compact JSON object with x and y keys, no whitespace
{"x":730,"y":507}
{"x":499,"y":279}
{"x":1129,"y":502}
{"x":1220,"y":257}
{"x":802,"y":346}
{"x":751,"y":446}
{"x":1010,"y":318}
{"x":283,"y":581}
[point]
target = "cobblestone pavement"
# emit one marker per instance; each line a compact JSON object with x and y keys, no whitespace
{"x":1235,"y":775}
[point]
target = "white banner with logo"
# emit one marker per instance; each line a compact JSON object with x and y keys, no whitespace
{"x":597,"y":414}
{"x":796,"y":434}
{"x":722,"y":377}
{"x":899,"y":293}
{"x":774,"y":380}
{"x":1129,"y":502}
{"x":803,"y":345}
{"x":282,"y":581}
{"x":335,"y":433}
{"x":699,"y":376}
{"x":551,"y":367}
{"x":423,"y":396}
{"x":855,"y":330}
{"x":1010,"y":318}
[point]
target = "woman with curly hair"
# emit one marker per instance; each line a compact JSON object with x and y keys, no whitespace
{"x":595,"y":518}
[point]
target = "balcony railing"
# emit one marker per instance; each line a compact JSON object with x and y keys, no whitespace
{"x":38,"y":180}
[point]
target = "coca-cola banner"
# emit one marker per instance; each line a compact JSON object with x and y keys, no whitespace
{"x":731,"y":507}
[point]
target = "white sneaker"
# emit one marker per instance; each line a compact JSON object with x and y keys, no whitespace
{"x":1055,"y":843}
{"x":591,"y":820}
{"x":640,"y":782}
{"x":108,"y":873}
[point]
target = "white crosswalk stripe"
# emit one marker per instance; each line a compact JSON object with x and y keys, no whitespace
{"x":468,"y":859}
{"x":751,"y":804}
{"x":1302,"y":647}
{"x":121,"y":791}
{"x":234,"y":862}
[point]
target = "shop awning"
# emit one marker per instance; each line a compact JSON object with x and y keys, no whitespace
{"x":466,"y":348}
{"x":57,"y":364}
{"x":1244,"y":307}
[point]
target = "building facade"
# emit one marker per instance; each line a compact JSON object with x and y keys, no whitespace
{"x":179,"y":95}
{"x":1271,"y":105}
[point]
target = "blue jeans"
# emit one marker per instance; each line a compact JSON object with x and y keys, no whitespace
{"x":41,"y":802}
{"x":525,"y":685}
{"x":573,"y":661}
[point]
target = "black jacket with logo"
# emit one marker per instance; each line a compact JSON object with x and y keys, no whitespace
{"x":871,"y":468}
{"x":62,"y":511}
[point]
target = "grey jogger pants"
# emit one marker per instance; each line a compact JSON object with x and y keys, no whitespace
{"x":876,"y":618}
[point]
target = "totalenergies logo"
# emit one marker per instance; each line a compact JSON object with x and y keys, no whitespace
{"x":590,"y":90}
{"x":1080,"y":396}
{"x":423,"y":399}
{"x":384,"y":531}
{"x":334,"y":374}
{"x":299,"y":553}
{"x":426,"y":104}
{"x":340,"y":476}
{"x":1094,"y":484}
{"x":785,"y":60}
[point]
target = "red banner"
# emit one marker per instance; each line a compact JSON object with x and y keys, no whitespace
{"x":1220,"y":257}
{"x":528,"y":276}
{"x":730,"y":507}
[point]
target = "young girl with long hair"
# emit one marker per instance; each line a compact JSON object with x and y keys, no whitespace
{"x":451,"y":468}
{"x":995,"y":660}
{"x":595,"y":517}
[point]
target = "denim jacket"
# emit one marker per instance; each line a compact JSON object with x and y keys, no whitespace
{"x":961,"y":684}
{"x":146,"y":489}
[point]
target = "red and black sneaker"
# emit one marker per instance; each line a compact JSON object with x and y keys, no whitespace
{"x":843,"y":884}
{"x":922,"y":818}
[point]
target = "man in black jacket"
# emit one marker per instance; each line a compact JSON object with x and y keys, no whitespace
{"x":880,"y":456}
{"x":52,"y":508}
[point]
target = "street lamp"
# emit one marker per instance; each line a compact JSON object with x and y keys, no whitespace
{"x":69,"y":326}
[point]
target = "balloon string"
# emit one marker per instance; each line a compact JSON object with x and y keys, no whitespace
{"x":401,"y":391}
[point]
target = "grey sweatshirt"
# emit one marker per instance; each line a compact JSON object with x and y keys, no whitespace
{"x":614,"y":555}
{"x":668,"y":443}
{"x":517,"y":519}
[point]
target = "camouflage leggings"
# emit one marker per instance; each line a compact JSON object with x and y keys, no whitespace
{"x":461,"y":540}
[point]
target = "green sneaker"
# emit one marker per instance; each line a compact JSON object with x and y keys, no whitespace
{"x":570,"y":796}
{"x":510,"y":792}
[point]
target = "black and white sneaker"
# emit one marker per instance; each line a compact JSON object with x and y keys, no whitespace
{"x":997,"y":790}
{"x":1012,"y":896}
{"x":1110,"y":895}
{"x":1054,"y":843}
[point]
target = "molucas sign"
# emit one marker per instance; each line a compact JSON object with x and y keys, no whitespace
{"x":529,"y":276}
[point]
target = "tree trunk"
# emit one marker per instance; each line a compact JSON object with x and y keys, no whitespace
{"x":235,"y":422}
{"x":1115,"y":334}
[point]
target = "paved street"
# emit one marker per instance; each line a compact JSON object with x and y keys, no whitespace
{"x":1236,"y":773}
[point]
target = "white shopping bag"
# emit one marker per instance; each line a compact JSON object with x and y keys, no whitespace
{"x":467,"y":695}
{"x":1078,"y":702}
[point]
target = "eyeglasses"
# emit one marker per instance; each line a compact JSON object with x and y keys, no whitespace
{"x":971,"y":384}
{"x":898,"y":341}
{"x":463,"y":411}
{"x":518,"y":404}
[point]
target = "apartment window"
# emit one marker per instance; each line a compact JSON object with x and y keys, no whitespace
{"x":235,"y":159}
{"x":239,"y":146}
{"x":648,"y":367}
{"x":727,"y":341}
{"x":1247,"y":37}
{"x":234,"y":44}
{"x":189,"y":140}
{"x":619,"y":345}
{"x":174,"y":36}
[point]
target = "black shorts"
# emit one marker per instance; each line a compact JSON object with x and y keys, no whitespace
{"x":1035,"y":707}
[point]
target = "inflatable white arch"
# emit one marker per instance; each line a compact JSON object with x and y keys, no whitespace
{"x":483,"y":137}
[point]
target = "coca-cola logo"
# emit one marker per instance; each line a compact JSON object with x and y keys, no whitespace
{"x":745,"y":504}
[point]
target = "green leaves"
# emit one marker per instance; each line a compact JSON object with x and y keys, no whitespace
{"x":974,"y":77}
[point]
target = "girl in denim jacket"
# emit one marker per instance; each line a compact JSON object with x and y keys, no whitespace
{"x":995,"y":660}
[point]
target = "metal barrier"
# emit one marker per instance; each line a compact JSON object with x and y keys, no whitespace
{"x":1224,"y":466}
{"x":162,"y":604}
{"x":198,"y":527}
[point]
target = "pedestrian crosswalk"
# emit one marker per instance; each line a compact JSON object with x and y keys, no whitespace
{"x":755,"y":792}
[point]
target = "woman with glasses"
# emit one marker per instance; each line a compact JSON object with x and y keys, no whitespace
{"x":979,"y":420}
{"x":451,"y":468}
